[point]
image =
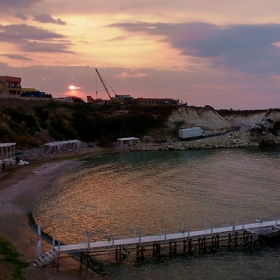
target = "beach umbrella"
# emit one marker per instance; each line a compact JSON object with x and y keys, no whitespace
{"x":39,"y":240}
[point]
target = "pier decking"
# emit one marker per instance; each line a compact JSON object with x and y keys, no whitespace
{"x":185,"y":241}
{"x":253,"y":228}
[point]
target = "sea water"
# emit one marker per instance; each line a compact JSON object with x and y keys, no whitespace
{"x":129,"y":194}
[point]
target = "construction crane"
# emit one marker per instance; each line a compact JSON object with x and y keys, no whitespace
{"x":112,"y":99}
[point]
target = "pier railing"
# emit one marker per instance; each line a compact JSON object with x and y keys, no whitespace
{"x":253,"y":228}
{"x":185,"y":242}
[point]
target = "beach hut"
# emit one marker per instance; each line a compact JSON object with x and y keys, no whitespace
{"x":7,"y":154}
{"x":128,"y":141}
{"x":61,"y":146}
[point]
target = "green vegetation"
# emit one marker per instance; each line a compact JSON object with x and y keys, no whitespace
{"x":31,"y":124}
{"x":10,"y":256}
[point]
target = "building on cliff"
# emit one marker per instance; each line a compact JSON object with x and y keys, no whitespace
{"x":156,"y":101}
{"x":32,"y":92}
{"x":10,"y":85}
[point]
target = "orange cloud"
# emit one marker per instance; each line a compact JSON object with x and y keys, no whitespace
{"x":125,"y":75}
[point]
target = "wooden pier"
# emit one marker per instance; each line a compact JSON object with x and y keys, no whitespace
{"x":185,"y":242}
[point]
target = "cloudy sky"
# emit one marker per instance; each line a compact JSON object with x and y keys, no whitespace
{"x":220,"y":53}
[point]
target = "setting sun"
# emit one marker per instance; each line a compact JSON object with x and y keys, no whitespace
{"x":72,"y":87}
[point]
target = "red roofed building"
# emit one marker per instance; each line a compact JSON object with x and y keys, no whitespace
{"x":10,"y":85}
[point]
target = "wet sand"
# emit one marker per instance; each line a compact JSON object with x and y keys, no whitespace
{"x":20,"y":188}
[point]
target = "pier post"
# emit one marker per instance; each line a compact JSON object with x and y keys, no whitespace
{"x":215,"y":243}
{"x":81,"y":260}
{"x":184,"y":246}
{"x":236,"y":240}
{"x":158,"y":250}
{"x":87,"y":260}
{"x":140,"y":249}
{"x":199,"y":244}
{"x":190,"y":247}
{"x":202,"y":244}
{"x":56,"y":260}
{"x":154,"y":249}
{"x":229,"y":240}
{"x":172,"y":248}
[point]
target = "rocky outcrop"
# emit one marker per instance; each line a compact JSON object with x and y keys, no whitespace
{"x":252,"y":119}
{"x":206,"y":118}
{"x":237,"y":139}
{"x":232,"y":129}
{"x":263,"y":127}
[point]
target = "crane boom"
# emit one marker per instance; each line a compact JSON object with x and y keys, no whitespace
{"x":103,"y":83}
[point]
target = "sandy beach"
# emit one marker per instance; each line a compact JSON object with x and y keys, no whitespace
{"x":20,"y":187}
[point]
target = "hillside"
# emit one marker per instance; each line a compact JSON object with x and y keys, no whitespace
{"x":206,"y":118}
{"x":31,"y":123}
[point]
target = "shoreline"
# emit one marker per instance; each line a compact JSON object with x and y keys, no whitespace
{"x":20,"y":188}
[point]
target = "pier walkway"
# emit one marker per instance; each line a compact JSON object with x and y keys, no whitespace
{"x":255,"y":230}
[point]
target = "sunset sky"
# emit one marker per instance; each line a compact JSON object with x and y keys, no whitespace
{"x":220,"y":53}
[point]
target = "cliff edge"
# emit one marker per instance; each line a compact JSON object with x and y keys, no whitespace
{"x":223,"y":129}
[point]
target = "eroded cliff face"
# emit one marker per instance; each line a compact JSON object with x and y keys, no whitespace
{"x":228,"y":129}
{"x":262,"y":127}
{"x":206,"y":118}
{"x":250,"y":119}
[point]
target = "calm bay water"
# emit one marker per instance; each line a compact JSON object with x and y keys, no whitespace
{"x":146,"y":192}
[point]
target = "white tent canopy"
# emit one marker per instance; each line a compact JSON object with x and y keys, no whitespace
{"x":128,"y":141}
{"x":61,"y":146}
